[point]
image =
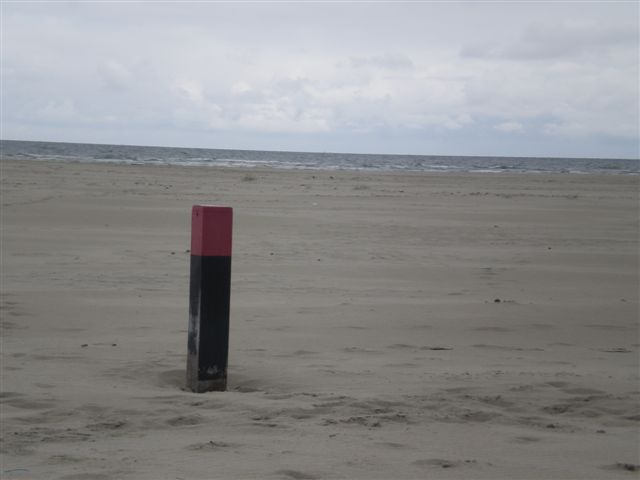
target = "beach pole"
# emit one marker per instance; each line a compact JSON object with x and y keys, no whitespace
{"x":209,"y":296}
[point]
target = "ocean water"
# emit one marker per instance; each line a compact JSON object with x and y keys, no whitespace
{"x":139,"y":155}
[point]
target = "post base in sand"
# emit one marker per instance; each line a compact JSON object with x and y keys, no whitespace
{"x":202,"y":386}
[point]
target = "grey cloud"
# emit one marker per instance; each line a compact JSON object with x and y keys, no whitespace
{"x":292,"y":85}
{"x":557,"y":41}
{"x":114,"y":75}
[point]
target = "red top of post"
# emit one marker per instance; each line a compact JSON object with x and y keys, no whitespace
{"x":211,"y":231}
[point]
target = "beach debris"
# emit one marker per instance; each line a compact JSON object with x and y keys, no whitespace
{"x":84,"y":345}
{"x":615,"y":350}
{"x":502,"y":300}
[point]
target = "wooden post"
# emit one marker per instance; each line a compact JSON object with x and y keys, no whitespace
{"x":209,"y":297}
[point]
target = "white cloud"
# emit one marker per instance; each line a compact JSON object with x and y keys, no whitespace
{"x":58,"y":111}
{"x":241,"y":87}
{"x":191,"y":89}
{"x":391,"y":61}
{"x":509,"y":127}
{"x":281,"y":115}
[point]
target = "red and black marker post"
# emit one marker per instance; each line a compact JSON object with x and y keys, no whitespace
{"x":209,"y":297}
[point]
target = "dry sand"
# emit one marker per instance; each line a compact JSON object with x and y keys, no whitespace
{"x":366,"y":339}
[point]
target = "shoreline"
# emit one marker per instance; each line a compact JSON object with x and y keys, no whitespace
{"x":327,"y":171}
{"x":314,"y":160}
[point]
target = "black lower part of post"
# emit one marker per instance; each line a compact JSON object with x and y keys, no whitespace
{"x":208,"y":338}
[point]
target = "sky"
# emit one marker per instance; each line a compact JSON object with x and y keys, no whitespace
{"x":431,"y":78}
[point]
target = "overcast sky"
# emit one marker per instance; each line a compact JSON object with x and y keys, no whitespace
{"x":481,"y":78}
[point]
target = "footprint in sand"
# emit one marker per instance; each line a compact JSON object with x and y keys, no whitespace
{"x":360,"y":350}
{"x":64,"y":459}
{"x":393,"y":445}
{"x":401,"y":346}
{"x":86,"y":476}
{"x":296,"y":474}
{"x":211,"y":445}
{"x":542,"y":326}
{"x":174,"y":379}
{"x":442,"y":463}
{"x":297,"y":353}
{"x":492,"y":329}
{"x":507,"y":348}
{"x":627,"y":467}
{"x":185,"y":420}
{"x":18,"y":400}
{"x":609,"y":327}
{"x":576,"y":390}
{"x":526,"y":439}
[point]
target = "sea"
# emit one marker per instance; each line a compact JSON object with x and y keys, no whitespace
{"x":141,"y":155}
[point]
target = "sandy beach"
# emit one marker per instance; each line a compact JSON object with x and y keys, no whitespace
{"x":392,"y":326}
